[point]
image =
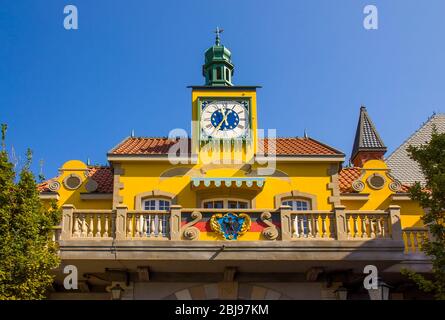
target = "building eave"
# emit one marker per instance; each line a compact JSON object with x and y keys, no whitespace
{"x":96,"y":196}
{"x":48,"y":196}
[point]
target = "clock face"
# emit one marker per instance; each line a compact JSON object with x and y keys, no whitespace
{"x":224,"y":120}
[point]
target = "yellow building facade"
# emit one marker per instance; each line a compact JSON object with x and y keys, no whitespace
{"x":233,"y":211}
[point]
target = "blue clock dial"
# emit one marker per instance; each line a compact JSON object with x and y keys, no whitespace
{"x":229,"y":122}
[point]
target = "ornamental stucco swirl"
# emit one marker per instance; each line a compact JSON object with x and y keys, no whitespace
{"x":190,"y":232}
{"x":358,"y":185}
{"x":54,"y":185}
{"x":395,"y":186}
{"x":271,"y":232}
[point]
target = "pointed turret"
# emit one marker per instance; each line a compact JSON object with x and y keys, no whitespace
{"x":367,"y":144}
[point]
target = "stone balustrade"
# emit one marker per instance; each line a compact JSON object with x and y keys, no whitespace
{"x":368,"y":225}
{"x":413,"y":238}
{"x":143,"y":224}
{"x":280,"y":224}
{"x":313,"y":225}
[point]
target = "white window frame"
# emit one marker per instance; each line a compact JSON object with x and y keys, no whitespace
{"x":226,"y":202}
{"x":157,"y":204}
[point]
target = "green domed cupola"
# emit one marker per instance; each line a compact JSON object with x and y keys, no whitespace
{"x":218,"y":67}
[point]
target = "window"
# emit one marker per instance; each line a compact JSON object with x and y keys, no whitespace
{"x":235,"y":204}
{"x":225,"y":203}
{"x":219,"y":204}
{"x":300,"y":205}
{"x":227,"y":74}
{"x":156,"y":204}
{"x":218,"y":73}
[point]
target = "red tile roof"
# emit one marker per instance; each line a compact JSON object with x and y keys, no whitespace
{"x":102,"y":175}
{"x":149,"y":146}
{"x":284,"y":146}
{"x":346,"y":177}
{"x":297,"y":146}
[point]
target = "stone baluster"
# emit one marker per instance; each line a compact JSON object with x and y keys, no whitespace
{"x":144,"y":225}
{"x":160,"y":229}
{"x":129,"y":225}
{"x":84,"y":230}
{"x":153,"y":225}
{"x":348,"y":226}
{"x":77,"y":223}
{"x":371,"y":225}
{"x":106,"y":234}
{"x":408,"y":245}
{"x":355,"y":225}
{"x":378,"y":231}
{"x":309,"y":225}
{"x":382,"y":226}
{"x":331,"y":226}
{"x":137,"y":232}
{"x":323,"y":226}
{"x":295,"y":227}
{"x":302,"y":231}
{"x":98,"y":227}
{"x":316,"y":227}
{"x":90,"y":226}
{"x":415,"y":241}
{"x":363,"y":226}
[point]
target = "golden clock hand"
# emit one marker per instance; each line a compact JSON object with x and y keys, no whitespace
{"x":218,"y":126}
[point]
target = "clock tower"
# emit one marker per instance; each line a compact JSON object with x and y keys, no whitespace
{"x":223,"y":113}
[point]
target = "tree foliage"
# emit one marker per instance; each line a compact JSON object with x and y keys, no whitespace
{"x":431,"y":197}
{"x":27,"y":252}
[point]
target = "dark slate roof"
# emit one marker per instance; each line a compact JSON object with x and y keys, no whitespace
{"x":405,"y":169}
{"x":366,"y":137}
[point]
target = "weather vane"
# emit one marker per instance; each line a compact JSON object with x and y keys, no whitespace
{"x":218,"y":31}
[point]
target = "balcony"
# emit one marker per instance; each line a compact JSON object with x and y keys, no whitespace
{"x":327,"y":237}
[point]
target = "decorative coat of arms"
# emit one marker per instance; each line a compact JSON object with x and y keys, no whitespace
{"x":230,"y":225}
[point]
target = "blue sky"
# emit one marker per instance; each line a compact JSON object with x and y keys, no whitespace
{"x":75,"y":94}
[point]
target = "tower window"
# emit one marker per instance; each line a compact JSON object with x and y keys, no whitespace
{"x":218,"y":74}
{"x":227,"y":74}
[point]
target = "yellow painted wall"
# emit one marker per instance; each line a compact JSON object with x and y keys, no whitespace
{"x":142,"y":177}
{"x":410,"y":211}
{"x":67,"y":196}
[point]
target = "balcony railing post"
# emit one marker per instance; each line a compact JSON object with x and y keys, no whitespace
{"x":340,"y":222}
{"x":67,"y":221}
{"x":286,"y":223}
{"x":120,"y":224}
{"x":396,"y":225}
{"x":175,"y":222}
